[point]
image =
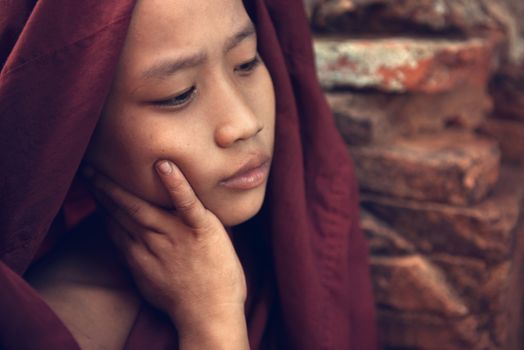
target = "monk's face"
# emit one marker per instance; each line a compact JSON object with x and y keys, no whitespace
{"x":190,"y":88}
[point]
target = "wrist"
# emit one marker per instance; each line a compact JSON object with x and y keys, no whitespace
{"x":214,"y":329}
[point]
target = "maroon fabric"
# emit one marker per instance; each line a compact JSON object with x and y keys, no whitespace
{"x":304,"y":255}
{"x":26,"y":322}
{"x":52,"y":88}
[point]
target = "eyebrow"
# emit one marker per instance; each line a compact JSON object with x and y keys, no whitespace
{"x":171,"y":66}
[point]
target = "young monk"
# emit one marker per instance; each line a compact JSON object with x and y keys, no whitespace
{"x":194,"y":244}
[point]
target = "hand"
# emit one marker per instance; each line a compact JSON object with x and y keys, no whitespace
{"x":183,"y":262}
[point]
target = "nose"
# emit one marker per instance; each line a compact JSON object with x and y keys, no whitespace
{"x":237,"y":121}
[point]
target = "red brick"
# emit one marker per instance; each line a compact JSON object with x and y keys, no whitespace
{"x":360,"y":118}
{"x":507,"y":89}
{"x":431,"y":332}
{"x":509,"y":135}
{"x":402,"y":64}
{"x":379,"y":16}
{"x":413,"y":284}
{"x":483,"y":231}
{"x":466,"y":274}
{"x":374,"y":117}
{"x":451,"y":167}
{"x":382,"y":239}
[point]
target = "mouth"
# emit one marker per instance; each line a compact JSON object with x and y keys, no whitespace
{"x":251,"y":175}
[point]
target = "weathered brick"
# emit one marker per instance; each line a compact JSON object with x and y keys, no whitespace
{"x":452,"y":167}
{"x":483,"y":231}
{"x":513,"y":320}
{"x":403,"y":330}
{"x":494,"y":296}
{"x":509,"y":135}
{"x":402,"y":64}
{"x":484,"y":289}
{"x":374,"y":117}
{"x":413,"y":284}
{"x":466,"y":274}
{"x":360,"y":118}
{"x":378,"y":16}
{"x":507,"y":89}
{"x":382,"y":239}
{"x":514,"y":29}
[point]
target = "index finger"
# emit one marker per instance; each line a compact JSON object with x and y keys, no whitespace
{"x":189,"y":208}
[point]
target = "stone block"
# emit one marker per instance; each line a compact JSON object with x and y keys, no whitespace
{"x":494,"y":290}
{"x":514,"y":319}
{"x":483,"y":231}
{"x":413,"y":284}
{"x":420,"y":294}
{"x":451,"y":167}
{"x":507,"y":89}
{"x":382,"y":239}
{"x":375,"y":117}
{"x":466,"y":274}
{"x":509,"y":135}
{"x":402,"y":64}
{"x":426,"y":16}
{"x":360,"y":118}
{"x":430,"y":332}
{"x":484,"y":289}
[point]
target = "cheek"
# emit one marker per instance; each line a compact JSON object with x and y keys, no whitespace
{"x":127,"y":151}
{"x":260,"y":96}
{"x":264,"y":104}
{"x":123,"y":154}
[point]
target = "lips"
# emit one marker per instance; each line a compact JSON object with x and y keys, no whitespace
{"x":250,"y":175}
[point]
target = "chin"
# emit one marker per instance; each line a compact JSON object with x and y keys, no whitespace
{"x":239,"y":213}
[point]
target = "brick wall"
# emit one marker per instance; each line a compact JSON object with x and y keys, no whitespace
{"x":429,"y":96}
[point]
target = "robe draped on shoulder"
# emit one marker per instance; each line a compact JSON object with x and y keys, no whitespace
{"x":305,"y":258}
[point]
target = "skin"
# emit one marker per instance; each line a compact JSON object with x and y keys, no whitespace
{"x":228,"y":121}
{"x":166,"y":141}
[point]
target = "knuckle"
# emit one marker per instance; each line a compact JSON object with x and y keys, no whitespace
{"x":203,"y":225}
{"x":143,"y":217}
{"x":134,"y":209}
{"x":187,"y":204}
{"x":176,"y":186}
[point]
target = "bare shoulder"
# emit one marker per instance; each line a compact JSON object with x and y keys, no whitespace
{"x":84,"y":285}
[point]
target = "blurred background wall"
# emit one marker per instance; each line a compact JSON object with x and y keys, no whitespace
{"x":429,"y":96}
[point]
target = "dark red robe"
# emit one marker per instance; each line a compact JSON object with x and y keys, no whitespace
{"x":305,"y":257}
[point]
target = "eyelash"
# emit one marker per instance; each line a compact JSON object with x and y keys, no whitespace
{"x":248,"y":67}
{"x":179,"y":100}
{"x":186,"y":96}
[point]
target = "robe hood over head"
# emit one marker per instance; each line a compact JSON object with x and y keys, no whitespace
{"x":57,"y":60}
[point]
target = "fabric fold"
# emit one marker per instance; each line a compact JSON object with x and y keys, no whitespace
{"x":304,"y":254}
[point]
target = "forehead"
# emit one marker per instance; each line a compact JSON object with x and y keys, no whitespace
{"x":165,"y":29}
{"x":185,"y":24}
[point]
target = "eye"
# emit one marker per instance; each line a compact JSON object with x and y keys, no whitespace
{"x":179,"y":100}
{"x":249,"y":66}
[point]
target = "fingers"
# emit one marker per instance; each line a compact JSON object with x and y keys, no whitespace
{"x":124,"y":206}
{"x":121,"y":238}
{"x":189,"y":208}
{"x":116,"y":214}
{"x":131,"y":250}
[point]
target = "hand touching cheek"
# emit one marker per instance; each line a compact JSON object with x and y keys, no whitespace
{"x":183,"y":262}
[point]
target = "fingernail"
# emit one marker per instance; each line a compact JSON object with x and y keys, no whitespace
{"x":164,"y":167}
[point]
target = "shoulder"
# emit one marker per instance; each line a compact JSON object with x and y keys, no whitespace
{"x":83,"y":283}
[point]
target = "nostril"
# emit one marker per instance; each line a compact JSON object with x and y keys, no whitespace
{"x":259,"y":129}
